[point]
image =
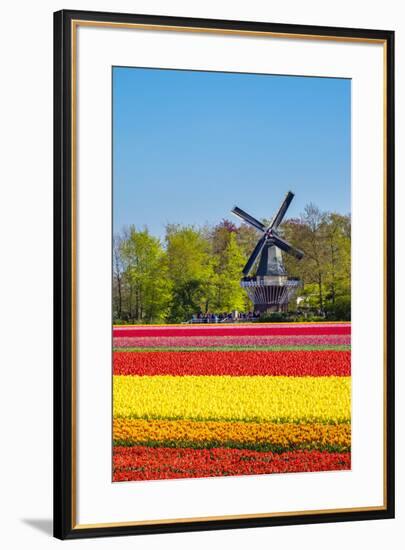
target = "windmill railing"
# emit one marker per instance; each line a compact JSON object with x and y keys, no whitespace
{"x":264,"y":281}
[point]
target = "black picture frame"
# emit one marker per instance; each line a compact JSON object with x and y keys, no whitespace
{"x":64,"y":444}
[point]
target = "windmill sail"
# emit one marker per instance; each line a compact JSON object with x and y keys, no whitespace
{"x":249,"y":219}
{"x":257,"y":250}
{"x":278,"y":218}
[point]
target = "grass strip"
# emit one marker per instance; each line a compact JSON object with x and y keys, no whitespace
{"x":234,"y":348}
{"x":262,"y":447}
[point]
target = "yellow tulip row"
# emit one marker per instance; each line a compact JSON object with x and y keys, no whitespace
{"x":243,"y":398}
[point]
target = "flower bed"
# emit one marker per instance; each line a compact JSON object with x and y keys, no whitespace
{"x":233,"y":363}
{"x":200,"y":401}
{"x":142,"y":463}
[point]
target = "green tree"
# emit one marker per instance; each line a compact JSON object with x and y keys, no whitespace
{"x":337,"y":277}
{"x":146,"y":275}
{"x":325,"y":269}
{"x":118,"y":278}
{"x":247,"y":238}
{"x":229,"y":263}
{"x":190,"y":266}
{"x":309,"y":235}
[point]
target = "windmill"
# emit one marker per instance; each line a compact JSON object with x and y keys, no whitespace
{"x":270,"y":289}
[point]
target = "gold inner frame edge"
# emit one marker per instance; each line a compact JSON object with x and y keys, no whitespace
{"x":75,"y":23}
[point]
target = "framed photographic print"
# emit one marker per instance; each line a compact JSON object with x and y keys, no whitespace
{"x":224,"y":274}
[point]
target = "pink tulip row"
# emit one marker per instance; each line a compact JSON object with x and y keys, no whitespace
{"x":225,"y":341}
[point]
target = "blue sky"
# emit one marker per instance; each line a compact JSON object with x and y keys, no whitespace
{"x":188,"y":145}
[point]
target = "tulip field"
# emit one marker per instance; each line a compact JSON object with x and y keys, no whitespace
{"x":222,"y":400}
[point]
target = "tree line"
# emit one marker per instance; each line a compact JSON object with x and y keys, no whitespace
{"x":198,"y":270}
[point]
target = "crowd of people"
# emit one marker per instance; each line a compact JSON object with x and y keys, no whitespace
{"x":231,"y":317}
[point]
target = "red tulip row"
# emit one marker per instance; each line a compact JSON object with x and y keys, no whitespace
{"x":242,"y":330}
{"x":233,"y":363}
{"x":142,"y":463}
